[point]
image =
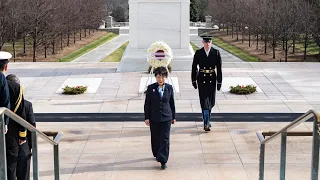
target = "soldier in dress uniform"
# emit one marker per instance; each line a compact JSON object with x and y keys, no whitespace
{"x":206,"y":75}
{"x":24,"y":155}
{"x":17,"y":134}
{"x":159,"y":110}
{"x":4,"y":88}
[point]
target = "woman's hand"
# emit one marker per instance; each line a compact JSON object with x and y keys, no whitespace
{"x":173,"y":121}
{"x":147,"y":121}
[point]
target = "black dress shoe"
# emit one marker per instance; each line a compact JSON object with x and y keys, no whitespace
{"x":163,"y":166}
{"x":207,"y":128}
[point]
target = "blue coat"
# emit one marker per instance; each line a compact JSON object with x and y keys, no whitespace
{"x":4,"y":94}
{"x":159,"y":109}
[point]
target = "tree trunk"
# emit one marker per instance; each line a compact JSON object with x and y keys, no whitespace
{"x":286,"y":51}
{"x":80,"y":35}
{"x":14,"y":50}
{"x":242,"y":35}
{"x":274,"y":46}
{"x":89,"y":31}
{"x":61,"y":41}
{"x":249,"y":38}
{"x":227,"y":28}
{"x":257,"y":41}
{"x":68,"y":41}
{"x":53,"y":45}
{"x":294,"y":45}
{"x":85,"y":32}
{"x":232,"y":29}
{"x":305,"y":47}
{"x":34,"y":49}
{"x":74,"y":37}
{"x":283,"y":45}
{"x":237,"y":31}
{"x":24,"y":44}
{"x":35,"y":36}
{"x":45,"y":47}
{"x":265,"y":44}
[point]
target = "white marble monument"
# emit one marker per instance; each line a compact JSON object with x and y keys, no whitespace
{"x":152,"y":20}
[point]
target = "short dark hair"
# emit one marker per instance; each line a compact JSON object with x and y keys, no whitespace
{"x":162,"y":71}
{"x":13,"y":78}
{"x":3,"y":64}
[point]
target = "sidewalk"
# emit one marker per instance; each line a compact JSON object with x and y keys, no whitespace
{"x":99,"y":53}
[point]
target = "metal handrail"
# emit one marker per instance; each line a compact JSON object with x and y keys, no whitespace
{"x":31,"y":128}
{"x":34,"y":134}
{"x":303,"y":118}
{"x":284,"y":133}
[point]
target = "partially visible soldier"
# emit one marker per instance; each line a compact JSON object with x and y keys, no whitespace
{"x":4,"y":89}
{"x":205,"y":78}
{"x":23,"y":164}
{"x":16,"y":135}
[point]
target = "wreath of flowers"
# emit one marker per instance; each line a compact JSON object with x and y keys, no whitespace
{"x":74,"y":90}
{"x":243,"y":89}
{"x":159,"y":54}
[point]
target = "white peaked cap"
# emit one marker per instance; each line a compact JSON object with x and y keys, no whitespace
{"x":5,"y":55}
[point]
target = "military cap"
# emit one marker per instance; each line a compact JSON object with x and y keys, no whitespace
{"x":206,"y":37}
{"x":5,"y":55}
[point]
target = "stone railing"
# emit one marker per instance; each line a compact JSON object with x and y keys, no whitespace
{"x":197,"y":24}
{"x":120,"y":24}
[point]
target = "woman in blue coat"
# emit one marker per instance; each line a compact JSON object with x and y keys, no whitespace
{"x":159,"y":110}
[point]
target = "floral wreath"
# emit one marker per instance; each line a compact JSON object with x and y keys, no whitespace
{"x":159,"y":54}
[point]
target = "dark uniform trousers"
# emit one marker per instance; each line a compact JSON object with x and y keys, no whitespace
{"x":160,"y":140}
{"x":160,"y":111}
{"x":19,"y":162}
{"x":23,"y":165}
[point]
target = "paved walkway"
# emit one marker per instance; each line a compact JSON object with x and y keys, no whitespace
{"x":99,"y":53}
{"x":121,"y":151}
{"x":285,"y":87}
{"x":226,"y":56}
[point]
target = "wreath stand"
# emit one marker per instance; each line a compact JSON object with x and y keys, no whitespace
{"x":151,"y":75}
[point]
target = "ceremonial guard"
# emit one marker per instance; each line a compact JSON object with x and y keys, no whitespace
{"x":206,"y":75}
{"x":24,"y":153}
{"x":159,"y":110}
{"x":16,"y":135}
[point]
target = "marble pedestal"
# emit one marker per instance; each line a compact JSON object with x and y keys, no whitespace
{"x":152,"y":20}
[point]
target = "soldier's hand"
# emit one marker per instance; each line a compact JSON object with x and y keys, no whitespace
{"x":147,"y":121}
{"x":194,"y":85}
{"x":219,"y":87}
{"x":5,"y":129}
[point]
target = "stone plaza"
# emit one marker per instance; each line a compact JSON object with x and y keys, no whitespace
{"x":97,"y":144}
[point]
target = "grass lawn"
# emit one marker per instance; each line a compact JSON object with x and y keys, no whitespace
{"x":234,"y":50}
{"x":312,"y":48}
{"x":87,"y":48}
{"x":116,"y":55}
{"x":195,"y":48}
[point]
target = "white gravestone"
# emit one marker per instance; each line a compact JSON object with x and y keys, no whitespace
{"x":153,"y":20}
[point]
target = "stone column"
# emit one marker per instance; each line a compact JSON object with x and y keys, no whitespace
{"x":133,"y":24}
{"x":109,"y":21}
{"x":185,"y":24}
